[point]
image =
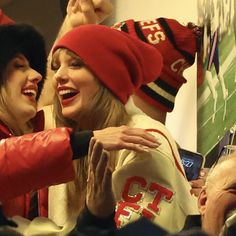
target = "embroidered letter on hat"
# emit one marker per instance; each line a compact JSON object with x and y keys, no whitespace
{"x":153,"y":32}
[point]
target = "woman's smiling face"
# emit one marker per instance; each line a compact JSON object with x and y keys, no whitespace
{"x":20,"y":89}
{"x":75,"y":85}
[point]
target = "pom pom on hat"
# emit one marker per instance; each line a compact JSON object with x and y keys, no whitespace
{"x":177,"y":45}
{"x":22,"y":39}
{"x":5,"y":19}
{"x":119,"y":61}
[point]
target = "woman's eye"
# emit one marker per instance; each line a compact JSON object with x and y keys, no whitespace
{"x":54,"y":67}
{"x":19,"y":65}
{"x":77,"y":64}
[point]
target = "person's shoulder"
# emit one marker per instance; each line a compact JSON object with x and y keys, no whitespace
{"x":153,"y":126}
{"x":145,"y":121}
{"x":139,"y":119}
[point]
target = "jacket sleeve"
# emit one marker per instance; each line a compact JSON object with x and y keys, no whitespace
{"x":33,"y":161}
{"x":152,"y":185}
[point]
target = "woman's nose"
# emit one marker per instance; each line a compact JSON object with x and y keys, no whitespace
{"x":60,"y":75}
{"x":35,"y":76}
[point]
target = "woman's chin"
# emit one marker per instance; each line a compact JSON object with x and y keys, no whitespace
{"x":31,"y":113}
{"x":68,"y":114}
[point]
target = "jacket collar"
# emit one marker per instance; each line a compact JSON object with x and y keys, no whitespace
{"x":4,"y":131}
{"x":37,"y":122}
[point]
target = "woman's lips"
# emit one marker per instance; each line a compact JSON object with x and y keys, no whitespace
{"x":67,"y":101}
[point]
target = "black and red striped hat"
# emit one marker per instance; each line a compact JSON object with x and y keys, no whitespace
{"x":177,"y":44}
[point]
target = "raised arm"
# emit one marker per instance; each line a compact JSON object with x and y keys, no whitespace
{"x":33,"y":161}
{"x":79,"y":12}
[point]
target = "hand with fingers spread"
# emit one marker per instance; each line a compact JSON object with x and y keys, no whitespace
{"x":99,"y":197}
{"x":124,"y":137}
{"x":80,"y":12}
{"x":102,"y":9}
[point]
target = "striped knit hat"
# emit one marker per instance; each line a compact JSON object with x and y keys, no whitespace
{"x":177,"y":44}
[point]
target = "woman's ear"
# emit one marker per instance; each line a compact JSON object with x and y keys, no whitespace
{"x":202,"y":200}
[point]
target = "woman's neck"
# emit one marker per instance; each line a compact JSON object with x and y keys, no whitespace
{"x":17,"y":128}
{"x":150,"y":110}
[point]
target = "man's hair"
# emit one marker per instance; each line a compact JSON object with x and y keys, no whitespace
{"x":214,"y":171}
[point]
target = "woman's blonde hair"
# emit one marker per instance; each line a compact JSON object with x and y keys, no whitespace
{"x":103,"y":110}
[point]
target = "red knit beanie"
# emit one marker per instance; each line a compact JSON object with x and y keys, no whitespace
{"x":119,"y":61}
{"x":5,"y":19}
{"x":177,"y":45}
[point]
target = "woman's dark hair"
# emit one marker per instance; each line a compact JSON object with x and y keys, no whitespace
{"x":22,"y":39}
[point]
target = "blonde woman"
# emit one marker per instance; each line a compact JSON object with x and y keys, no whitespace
{"x":97,"y":69}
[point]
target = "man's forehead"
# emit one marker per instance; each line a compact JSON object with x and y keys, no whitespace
{"x":229,"y":163}
{"x":226,"y":171}
{"x":223,"y":171}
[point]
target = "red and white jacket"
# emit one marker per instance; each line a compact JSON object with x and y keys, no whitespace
{"x":150,"y":184}
{"x":31,"y":162}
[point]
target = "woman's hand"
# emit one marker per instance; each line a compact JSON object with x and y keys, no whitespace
{"x":99,"y":198}
{"x":81,"y":12}
{"x":124,"y":137}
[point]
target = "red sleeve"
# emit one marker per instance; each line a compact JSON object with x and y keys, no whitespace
{"x":33,"y":161}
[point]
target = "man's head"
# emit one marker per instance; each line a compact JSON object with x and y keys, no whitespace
{"x":177,"y":44}
{"x":217,"y":200}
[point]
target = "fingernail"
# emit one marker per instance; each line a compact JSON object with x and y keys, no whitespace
{"x":157,"y":141}
{"x":144,"y":149}
{"x":202,"y":173}
{"x":157,"y":144}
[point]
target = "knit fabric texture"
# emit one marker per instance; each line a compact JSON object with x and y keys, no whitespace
{"x":119,"y":61}
{"x":177,"y":45}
